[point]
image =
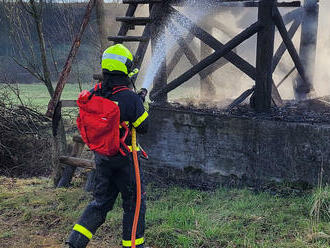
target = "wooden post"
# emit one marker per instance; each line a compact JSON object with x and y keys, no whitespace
{"x":100,"y":20}
{"x":308,"y":44}
{"x":265,"y":49}
{"x":158,"y":48}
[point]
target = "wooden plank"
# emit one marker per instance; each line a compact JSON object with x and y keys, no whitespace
{"x":265,"y":49}
{"x":244,"y":35}
{"x":77,"y":162}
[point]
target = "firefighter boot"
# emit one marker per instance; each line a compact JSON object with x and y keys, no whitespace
{"x":77,"y":240}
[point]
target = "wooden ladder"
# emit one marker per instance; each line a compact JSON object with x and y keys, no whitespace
{"x":129,"y":21}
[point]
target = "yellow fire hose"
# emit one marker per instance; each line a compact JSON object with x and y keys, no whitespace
{"x":138,"y":187}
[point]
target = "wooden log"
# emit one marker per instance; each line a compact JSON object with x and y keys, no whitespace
{"x":67,"y":67}
{"x":290,"y":46}
{"x":265,"y":49}
{"x":69,"y":170}
{"x":244,"y":35}
{"x":282,"y":48}
{"x":208,"y":39}
{"x":100,"y":20}
{"x":307,"y":52}
{"x":209,"y":89}
{"x":77,"y":162}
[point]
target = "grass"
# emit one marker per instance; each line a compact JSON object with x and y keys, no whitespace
{"x":33,"y":214}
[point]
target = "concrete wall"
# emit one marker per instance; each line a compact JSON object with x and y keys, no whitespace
{"x":204,"y":148}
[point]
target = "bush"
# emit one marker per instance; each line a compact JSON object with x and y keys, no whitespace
{"x":25,"y":140}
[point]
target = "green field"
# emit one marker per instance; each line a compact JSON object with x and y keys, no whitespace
{"x":33,"y":214}
{"x":37,"y":94}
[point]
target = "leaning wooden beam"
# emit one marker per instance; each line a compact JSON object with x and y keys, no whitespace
{"x":293,"y":15}
{"x":211,"y":91}
{"x":177,"y":55}
{"x":208,"y":39}
{"x":67,"y":67}
{"x":241,"y":98}
{"x":244,"y":35}
{"x":77,"y":162}
{"x":282,"y":48}
{"x":289,"y":44}
{"x":265,"y":49}
{"x":285,"y":77}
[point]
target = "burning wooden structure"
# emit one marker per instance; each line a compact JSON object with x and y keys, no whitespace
{"x":269,"y":17}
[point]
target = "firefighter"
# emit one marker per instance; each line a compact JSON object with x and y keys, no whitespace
{"x":115,"y":174}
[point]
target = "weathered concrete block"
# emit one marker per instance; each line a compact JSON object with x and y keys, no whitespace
{"x":217,"y":148}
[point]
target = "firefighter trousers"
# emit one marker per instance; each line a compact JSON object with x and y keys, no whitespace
{"x":114,"y":175}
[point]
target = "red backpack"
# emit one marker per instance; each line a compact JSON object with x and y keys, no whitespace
{"x":98,"y":122}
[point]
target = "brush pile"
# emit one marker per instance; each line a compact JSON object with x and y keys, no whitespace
{"x":25,"y":142}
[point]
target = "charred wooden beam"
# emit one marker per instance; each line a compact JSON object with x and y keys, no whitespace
{"x":285,"y":77}
{"x":265,"y":49}
{"x":307,"y":52}
{"x":177,"y":55}
{"x":244,"y":35}
{"x":208,"y":39}
{"x":282,"y":48}
{"x":134,"y":20}
{"x":241,"y":98}
{"x":121,"y":39}
{"x":290,"y":46}
{"x":210,"y":89}
{"x":294,"y":15}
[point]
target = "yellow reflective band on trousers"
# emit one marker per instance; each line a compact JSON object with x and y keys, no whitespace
{"x":128,"y":243}
{"x":84,"y":231}
{"x":140,"y":119}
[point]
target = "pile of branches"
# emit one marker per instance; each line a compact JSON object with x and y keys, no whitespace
{"x":25,"y":140}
